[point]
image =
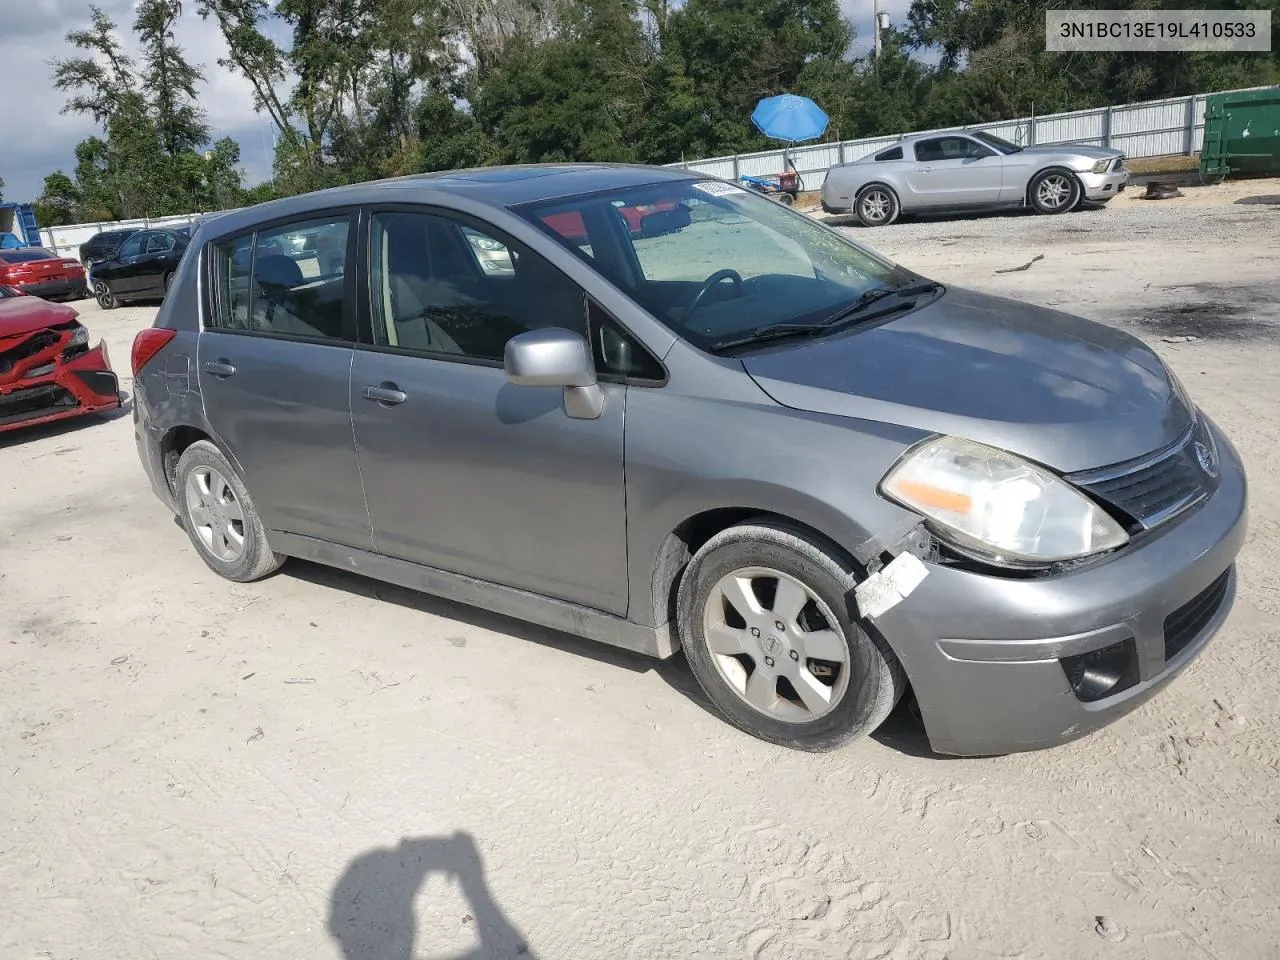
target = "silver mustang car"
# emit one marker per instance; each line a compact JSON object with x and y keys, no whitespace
{"x":938,"y":173}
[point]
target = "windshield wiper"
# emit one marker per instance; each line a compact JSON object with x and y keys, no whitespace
{"x":856,"y":311}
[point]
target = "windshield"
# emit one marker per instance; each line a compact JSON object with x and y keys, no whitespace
{"x":1004,"y":146}
{"x":713,"y":261}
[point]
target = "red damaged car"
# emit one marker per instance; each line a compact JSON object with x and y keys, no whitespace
{"x":47,"y":369}
{"x":43,"y":273}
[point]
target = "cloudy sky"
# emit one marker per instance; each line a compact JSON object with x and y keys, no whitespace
{"x":43,"y":140}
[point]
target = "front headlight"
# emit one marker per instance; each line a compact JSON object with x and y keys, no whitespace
{"x":999,"y":506}
{"x":79,"y":336}
{"x":1101,"y":166}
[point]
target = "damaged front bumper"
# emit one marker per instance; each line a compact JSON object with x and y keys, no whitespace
{"x":45,"y":377}
{"x":1001,"y":664}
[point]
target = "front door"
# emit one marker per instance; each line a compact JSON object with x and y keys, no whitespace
{"x":121,"y":272}
{"x":462,"y":470}
{"x":954,"y":171}
{"x":159,"y":258}
{"x":275,"y":366}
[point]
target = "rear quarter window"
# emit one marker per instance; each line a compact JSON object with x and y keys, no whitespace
{"x":893,"y":153}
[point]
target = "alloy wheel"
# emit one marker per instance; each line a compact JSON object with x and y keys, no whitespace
{"x":1054,"y":191}
{"x":215,"y":514}
{"x":876,"y":205}
{"x":776,"y":644}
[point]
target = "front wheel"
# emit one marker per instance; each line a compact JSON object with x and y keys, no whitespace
{"x":102,"y":292}
{"x":219,"y":516}
{"x":767,"y":625}
{"x":1055,"y":191}
{"x":876,"y":206}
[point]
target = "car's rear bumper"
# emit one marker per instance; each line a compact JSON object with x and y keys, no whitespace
{"x":985,"y":655}
{"x":1104,"y":186}
{"x":84,"y":384}
{"x":60,"y":288}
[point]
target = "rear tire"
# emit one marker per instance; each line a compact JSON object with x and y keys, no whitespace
{"x":219,"y":516}
{"x":817,"y":682}
{"x":876,"y":206}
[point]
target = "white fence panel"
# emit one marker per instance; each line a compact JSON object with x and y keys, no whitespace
{"x":65,"y":241}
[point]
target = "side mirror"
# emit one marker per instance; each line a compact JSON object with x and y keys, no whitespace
{"x":555,"y":357}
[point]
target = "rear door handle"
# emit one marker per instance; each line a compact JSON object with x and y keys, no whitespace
{"x":220,"y":369}
{"x":385,"y":393}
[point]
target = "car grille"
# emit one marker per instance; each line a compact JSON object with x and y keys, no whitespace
{"x":31,"y":402}
{"x":1189,"y":620}
{"x":1157,"y":488}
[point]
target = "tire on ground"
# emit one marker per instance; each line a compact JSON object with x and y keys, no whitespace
{"x":868,"y":217}
{"x":876,"y":681}
{"x":257,"y":560}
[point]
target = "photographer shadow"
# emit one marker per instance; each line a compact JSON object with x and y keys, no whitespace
{"x":371,"y":909}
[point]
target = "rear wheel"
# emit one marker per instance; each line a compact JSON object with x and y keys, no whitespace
{"x":1055,"y":191}
{"x":876,"y":206}
{"x":767,"y":627}
{"x":219,"y":516}
{"x":102,"y":292}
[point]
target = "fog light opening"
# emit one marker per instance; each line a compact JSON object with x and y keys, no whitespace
{"x":1104,"y":672}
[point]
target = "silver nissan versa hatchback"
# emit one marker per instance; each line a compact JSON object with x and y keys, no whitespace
{"x":657,"y":411}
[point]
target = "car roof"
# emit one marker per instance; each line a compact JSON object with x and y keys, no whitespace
{"x":505,"y":186}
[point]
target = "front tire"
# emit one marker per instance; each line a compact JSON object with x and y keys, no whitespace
{"x":102,"y":293}
{"x":1055,"y":191}
{"x":876,"y":206}
{"x":219,"y":516}
{"x":767,"y":622}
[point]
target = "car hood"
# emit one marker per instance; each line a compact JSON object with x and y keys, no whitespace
{"x":1075,"y":149}
{"x":1055,"y":388}
{"x":19,"y":315}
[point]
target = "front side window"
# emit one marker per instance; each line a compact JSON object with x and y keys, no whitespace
{"x":132,"y":247}
{"x":713,"y":261}
{"x":440,"y":286}
{"x":950,"y":148}
{"x":288,"y":281}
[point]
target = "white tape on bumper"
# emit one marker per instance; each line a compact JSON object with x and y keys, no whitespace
{"x":883,"y":591}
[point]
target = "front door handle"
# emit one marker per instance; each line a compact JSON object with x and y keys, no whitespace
{"x":387,"y":394}
{"x":220,"y":369}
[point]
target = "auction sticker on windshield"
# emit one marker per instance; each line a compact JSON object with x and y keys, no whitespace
{"x":717,"y":189}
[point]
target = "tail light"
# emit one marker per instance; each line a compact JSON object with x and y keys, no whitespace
{"x":147,"y":344}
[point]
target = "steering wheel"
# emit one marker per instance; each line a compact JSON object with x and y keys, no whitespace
{"x":718,"y":277}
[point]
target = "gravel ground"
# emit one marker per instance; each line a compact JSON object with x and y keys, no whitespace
{"x":321,"y":766}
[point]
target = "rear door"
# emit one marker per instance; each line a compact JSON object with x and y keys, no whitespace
{"x":274,"y":365}
{"x":159,"y":258}
{"x":954,"y":171}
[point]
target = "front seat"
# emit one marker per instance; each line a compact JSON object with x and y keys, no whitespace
{"x":410,"y":295}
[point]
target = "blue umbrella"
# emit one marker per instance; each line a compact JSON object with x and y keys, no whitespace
{"x":790,"y":118}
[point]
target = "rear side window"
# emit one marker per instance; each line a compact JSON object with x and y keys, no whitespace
{"x":288,"y":281}
{"x":159,"y":243}
{"x":893,"y":153}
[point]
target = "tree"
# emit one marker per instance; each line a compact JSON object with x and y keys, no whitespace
{"x":60,"y":201}
{"x":100,"y":82}
{"x":170,"y":80}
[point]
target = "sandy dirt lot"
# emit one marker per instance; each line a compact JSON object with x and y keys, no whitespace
{"x":320,"y":766}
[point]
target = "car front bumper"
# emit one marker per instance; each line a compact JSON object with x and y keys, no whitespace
{"x":74,"y":387}
{"x":984,"y":653}
{"x":1104,"y":186}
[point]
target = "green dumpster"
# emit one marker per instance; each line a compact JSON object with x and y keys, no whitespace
{"x":1242,"y":133}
